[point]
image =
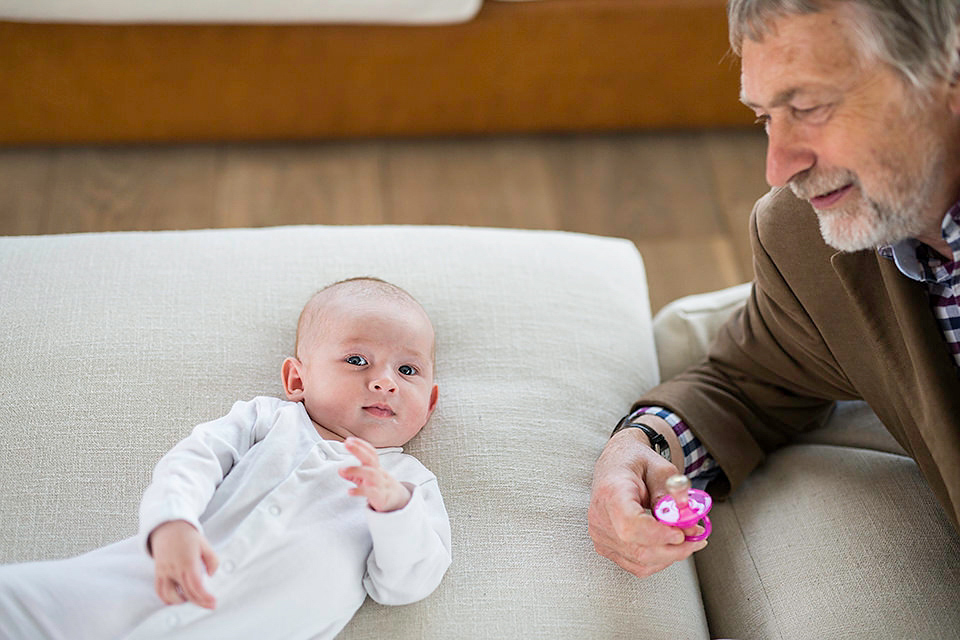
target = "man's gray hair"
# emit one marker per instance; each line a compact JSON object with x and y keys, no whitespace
{"x":918,"y":38}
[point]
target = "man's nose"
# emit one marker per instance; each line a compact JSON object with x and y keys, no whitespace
{"x":787,"y":153}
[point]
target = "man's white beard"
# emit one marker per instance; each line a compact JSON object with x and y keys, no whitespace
{"x":865,"y":222}
{"x":866,"y":225}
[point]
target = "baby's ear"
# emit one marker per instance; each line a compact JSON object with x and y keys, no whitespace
{"x":433,"y":400}
{"x":292,"y":380}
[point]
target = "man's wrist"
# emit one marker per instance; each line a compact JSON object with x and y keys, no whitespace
{"x":657,"y":442}
{"x":660,"y":427}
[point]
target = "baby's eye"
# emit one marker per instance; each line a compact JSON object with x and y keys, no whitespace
{"x":357,"y":360}
{"x":407,"y":370}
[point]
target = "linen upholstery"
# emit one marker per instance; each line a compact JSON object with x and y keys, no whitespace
{"x":683,"y":329}
{"x":115,"y":345}
{"x":831,"y":542}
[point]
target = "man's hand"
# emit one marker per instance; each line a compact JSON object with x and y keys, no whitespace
{"x":382,"y":491}
{"x":180,"y":554}
{"x":628,"y":478}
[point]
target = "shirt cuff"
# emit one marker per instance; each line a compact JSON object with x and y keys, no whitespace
{"x":696,"y":459}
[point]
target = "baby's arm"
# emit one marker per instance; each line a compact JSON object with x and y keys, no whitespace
{"x":411,"y":544}
{"x":183,"y":482}
{"x":180,"y":554}
{"x":382,"y":491}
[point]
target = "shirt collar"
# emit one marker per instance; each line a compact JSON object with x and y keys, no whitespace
{"x":918,"y":262}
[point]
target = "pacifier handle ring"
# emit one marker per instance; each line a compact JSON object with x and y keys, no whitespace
{"x":707,"y":528}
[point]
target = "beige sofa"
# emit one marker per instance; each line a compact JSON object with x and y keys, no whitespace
{"x":114,"y":345}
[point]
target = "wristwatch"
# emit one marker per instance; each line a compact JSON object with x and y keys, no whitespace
{"x":657,"y":441}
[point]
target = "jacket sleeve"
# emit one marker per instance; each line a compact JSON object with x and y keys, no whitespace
{"x":411,"y":548}
{"x":186,"y":477}
{"x":768,"y":376}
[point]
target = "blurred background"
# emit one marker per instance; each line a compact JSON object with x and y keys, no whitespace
{"x":610,"y":117}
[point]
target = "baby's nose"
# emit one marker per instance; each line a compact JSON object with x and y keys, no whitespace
{"x":383,"y":383}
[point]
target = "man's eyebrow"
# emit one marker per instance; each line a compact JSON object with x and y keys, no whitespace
{"x":780,"y":99}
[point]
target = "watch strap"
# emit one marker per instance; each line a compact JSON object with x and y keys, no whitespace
{"x":657,"y":441}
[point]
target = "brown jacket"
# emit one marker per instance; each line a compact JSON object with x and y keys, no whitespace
{"x":821,"y":326}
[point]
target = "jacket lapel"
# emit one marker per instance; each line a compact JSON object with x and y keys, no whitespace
{"x":915,"y":369}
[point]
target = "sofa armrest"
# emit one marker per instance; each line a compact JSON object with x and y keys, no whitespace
{"x":684,"y":329}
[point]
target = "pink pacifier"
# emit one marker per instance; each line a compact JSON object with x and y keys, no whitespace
{"x":684,"y":507}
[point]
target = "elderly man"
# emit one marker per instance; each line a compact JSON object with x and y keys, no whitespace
{"x":857,"y":271}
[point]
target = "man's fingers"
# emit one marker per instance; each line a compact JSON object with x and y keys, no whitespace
{"x":630,"y":522}
{"x":636,"y":541}
{"x":645,"y":561}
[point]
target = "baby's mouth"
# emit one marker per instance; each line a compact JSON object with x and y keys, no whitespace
{"x":380,"y":410}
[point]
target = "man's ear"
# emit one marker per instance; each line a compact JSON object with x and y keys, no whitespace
{"x":953,"y":91}
{"x":292,"y":379}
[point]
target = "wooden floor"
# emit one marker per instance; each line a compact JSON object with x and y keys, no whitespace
{"x":683,"y":198}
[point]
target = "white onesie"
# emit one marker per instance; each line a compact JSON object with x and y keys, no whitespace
{"x":298,"y":555}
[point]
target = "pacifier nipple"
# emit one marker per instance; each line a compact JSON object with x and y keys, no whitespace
{"x":678,"y":487}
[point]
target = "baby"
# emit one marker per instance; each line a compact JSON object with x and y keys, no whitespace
{"x":278,"y":519}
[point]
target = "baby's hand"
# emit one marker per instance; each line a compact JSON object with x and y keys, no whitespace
{"x":383,"y":491}
{"x":180,"y":553}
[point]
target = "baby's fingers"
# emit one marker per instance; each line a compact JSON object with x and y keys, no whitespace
{"x":361,"y":476}
{"x":195,"y":592}
{"x":363,"y":451}
{"x":168,"y":591}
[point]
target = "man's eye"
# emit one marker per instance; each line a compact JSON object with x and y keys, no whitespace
{"x":810,"y":113}
{"x":407,"y":370}
{"x":357,"y":360}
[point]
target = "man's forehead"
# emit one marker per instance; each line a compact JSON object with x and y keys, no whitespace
{"x":801,"y":54}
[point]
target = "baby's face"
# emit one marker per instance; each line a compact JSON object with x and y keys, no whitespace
{"x":367,"y":370}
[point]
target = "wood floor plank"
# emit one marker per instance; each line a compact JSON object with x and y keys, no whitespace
{"x":132,"y":188}
{"x":640,"y":186}
{"x":671,"y":273}
{"x":737,"y":161}
{"x":269,"y":185}
{"x":499,"y":182}
{"x":25,"y":179}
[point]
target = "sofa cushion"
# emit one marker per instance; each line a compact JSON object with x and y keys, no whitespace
{"x":239,"y":11}
{"x":685,"y":327}
{"x":115,"y":345}
{"x":830,"y":542}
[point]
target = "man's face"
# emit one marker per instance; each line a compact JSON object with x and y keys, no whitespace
{"x":875,"y":159}
{"x":367,"y":370}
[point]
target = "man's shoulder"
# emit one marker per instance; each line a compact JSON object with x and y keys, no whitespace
{"x":784,"y":225}
{"x":779,"y":211}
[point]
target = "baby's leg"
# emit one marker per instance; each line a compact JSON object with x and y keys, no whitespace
{"x":101,"y":594}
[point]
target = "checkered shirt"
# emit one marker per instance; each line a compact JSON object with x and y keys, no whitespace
{"x":916,"y":261}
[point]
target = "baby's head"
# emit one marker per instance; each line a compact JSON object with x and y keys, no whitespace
{"x":364,"y":363}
